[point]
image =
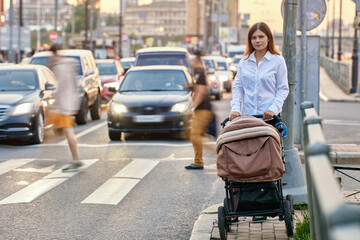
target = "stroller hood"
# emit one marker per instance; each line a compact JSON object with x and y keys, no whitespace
{"x":249,"y":150}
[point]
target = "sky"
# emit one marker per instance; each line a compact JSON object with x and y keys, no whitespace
{"x":268,"y":11}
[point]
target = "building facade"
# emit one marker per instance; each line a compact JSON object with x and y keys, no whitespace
{"x":161,"y":18}
{"x":42,"y":13}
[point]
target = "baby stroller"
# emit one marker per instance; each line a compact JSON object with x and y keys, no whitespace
{"x":251,"y":162}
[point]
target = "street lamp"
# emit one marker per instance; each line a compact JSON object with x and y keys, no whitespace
{"x":120,"y":28}
{"x":339,"y":52}
{"x":333,"y":33}
{"x":327,"y":35}
{"x":355,"y":57}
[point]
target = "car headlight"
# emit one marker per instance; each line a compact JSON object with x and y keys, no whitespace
{"x":224,"y":78}
{"x":22,"y":109}
{"x":118,"y":108}
{"x":180,"y":107}
{"x":212,"y":78}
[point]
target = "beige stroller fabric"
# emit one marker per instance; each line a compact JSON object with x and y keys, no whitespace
{"x":249,"y":150}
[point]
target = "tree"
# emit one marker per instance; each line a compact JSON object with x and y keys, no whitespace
{"x":79,"y":12}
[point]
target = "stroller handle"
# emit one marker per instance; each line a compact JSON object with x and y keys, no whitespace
{"x":275,"y":117}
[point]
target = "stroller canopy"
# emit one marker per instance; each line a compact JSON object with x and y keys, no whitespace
{"x":249,"y":150}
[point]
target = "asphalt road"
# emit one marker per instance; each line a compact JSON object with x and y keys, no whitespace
{"x":132,"y":189}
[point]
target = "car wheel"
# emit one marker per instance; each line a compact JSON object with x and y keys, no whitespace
{"x":95,"y":110}
{"x":218,"y":96}
{"x":82,"y":116}
{"x":114,"y":135}
{"x":39,"y":130}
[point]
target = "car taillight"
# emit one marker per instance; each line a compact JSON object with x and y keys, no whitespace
{"x":214,"y":84}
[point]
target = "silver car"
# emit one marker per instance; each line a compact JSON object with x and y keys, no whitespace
{"x":225,"y":75}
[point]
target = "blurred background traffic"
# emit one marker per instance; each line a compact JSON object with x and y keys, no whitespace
{"x":105,"y":39}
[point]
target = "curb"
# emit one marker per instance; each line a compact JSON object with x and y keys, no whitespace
{"x":326,"y":99}
{"x":203,"y":227}
{"x":352,"y":158}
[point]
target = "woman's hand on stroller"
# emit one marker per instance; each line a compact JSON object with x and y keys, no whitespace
{"x":268,"y":115}
{"x":234,"y":115}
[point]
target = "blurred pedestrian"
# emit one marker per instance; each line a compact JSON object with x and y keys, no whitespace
{"x":261,"y":84}
{"x":200,"y":111}
{"x":66,"y":105}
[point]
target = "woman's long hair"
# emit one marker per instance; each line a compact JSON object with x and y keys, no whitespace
{"x":265,"y":29}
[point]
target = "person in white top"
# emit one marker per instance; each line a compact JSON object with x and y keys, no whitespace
{"x":260,"y":85}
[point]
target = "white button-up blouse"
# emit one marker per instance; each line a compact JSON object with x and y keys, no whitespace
{"x":262,"y":87}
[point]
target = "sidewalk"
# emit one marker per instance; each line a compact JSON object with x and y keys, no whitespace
{"x":205,"y":228}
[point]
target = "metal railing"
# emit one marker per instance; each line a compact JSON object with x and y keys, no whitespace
{"x":330,"y":217}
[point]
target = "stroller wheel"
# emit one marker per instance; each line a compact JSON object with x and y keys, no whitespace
{"x":222,"y":223}
{"x":290,"y":198}
{"x":289,"y":220}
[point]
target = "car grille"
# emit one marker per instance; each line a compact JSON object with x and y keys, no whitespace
{"x":148,"y":110}
{"x":4,"y":109}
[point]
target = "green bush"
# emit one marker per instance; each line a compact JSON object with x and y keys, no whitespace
{"x":302,"y":228}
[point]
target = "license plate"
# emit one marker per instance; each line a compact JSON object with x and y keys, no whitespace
{"x":148,"y":118}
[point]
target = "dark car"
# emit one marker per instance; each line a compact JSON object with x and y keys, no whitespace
{"x":163,"y":56}
{"x":111,"y":74}
{"x":88,"y":79}
{"x":26,"y":92}
{"x":151,"y":99}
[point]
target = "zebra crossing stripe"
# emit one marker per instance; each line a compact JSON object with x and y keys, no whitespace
{"x":12,"y":164}
{"x":38,"y":188}
{"x":117,"y":187}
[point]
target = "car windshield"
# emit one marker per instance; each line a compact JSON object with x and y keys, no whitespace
{"x":126,"y":64}
{"x":17,"y":80}
{"x":222,"y":66}
{"x":236,"y":60}
{"x":209,"y":64}
{"x":154,"y":80}
{"x":45,"y":62}
{"x":106,"y":68}
{"x":232,"y":54}
{"x":162,"y":59}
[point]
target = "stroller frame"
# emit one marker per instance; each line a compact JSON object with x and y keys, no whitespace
{"x":227,"y":212}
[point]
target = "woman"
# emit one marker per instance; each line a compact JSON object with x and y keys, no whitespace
{"x":260,"y":85}
{"x":200,"y":112}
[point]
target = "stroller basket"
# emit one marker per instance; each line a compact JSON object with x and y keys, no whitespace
{"x":249,"y":150}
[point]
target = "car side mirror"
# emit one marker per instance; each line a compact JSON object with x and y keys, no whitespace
{"x":49,"y":86}
{"x":90,"y":71}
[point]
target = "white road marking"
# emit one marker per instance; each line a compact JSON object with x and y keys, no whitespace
{"x":38,"y":188}
{"x":117,"y":187}
{"x":342,"y":122}
{"x":112,"y":191}
{"x":148,"y":144}
{"x":37,"y":170}
{"x":136,"y":169}
{"x":88,"y":130}
{"x":12,"y":164}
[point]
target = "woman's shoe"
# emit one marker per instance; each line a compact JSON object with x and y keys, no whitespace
{"x":194,"y":167}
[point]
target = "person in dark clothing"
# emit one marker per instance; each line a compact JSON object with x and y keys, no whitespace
{"x":200,"y":112}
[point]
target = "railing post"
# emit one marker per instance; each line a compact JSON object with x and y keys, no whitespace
{"x":304,"y":105}
{"x":306,"y":122}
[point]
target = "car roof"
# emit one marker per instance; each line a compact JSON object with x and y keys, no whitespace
{"x":161,"y":49}
{"x":128,"y":59}
{"x":105,"y":60}
{"x":64,"y":52}
{"x":22,"y":67}
{"x":158,"y":67}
